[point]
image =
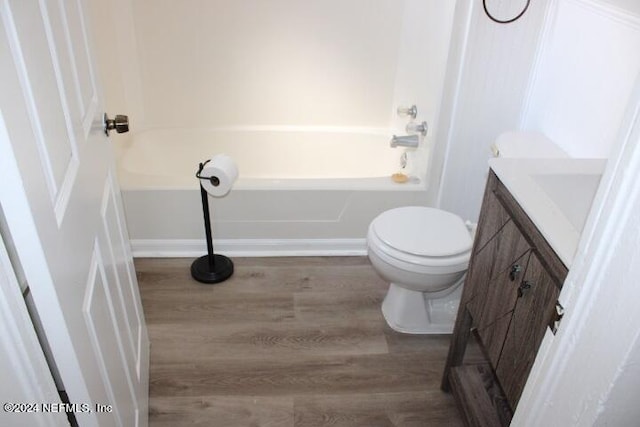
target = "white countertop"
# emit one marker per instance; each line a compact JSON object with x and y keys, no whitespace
{"x":557,"y":194}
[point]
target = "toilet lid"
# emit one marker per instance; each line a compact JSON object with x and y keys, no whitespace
{"x":423,"y":231}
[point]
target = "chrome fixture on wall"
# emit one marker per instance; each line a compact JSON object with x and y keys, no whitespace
{"x":420,"y":128}
{"x":415,"y":130}
{"x":408,"y":111}
{"x":405,"y":141}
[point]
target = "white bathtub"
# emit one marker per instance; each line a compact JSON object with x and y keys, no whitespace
{"x":301,"y":191}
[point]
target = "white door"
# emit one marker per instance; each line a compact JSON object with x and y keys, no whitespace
{"x":23,"y":368}
{"x":62,"y":203}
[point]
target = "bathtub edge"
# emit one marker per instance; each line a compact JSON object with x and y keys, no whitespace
{"x":187,"y":248}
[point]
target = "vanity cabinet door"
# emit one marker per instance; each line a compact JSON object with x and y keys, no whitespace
{"x":490,"y":291}
{"x":533,"y":311}
{"x":494,"y":280}
{"x":494,"y":309}
{"x":493,"y":216}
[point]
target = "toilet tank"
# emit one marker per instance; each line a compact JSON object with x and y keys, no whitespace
{"x":525,"y":144}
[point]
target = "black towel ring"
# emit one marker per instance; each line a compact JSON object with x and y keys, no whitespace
{"x":507,"y":21}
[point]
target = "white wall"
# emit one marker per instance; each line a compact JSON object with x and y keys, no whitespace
{"x":630,"y":6}
{"x":588,"y":62}
{"x":486,"y":97}
{"x":565,"y":69}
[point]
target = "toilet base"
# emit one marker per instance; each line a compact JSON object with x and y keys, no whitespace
{"x":411,"y":312}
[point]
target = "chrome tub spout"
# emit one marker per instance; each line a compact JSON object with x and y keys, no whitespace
{"x":405,"y":141}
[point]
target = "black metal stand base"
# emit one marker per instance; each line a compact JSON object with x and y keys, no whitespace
{"x":203,"y":271}
{"x":210,"y":268}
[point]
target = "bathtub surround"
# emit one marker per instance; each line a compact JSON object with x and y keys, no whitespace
{"x":285,"y":63}
{"x":322,"y":67}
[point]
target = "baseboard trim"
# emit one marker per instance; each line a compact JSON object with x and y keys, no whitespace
{"x":169,"y":248}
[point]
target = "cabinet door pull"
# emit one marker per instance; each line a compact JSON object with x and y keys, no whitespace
{"x":554,"y":323}
{"x":515,"y":272}
{"x":523,"y":287}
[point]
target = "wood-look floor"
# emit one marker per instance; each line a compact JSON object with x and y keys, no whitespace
{"x":286,"y":342}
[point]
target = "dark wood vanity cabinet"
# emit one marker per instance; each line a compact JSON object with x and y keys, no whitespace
{"x":509,"y":299}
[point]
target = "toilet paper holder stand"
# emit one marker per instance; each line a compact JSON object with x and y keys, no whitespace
{"x":211,"y":268}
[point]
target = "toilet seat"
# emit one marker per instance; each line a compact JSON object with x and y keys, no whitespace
{"x":423,"y":231}
{"x":422,"y":239}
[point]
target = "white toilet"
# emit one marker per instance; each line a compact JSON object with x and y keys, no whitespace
{"x":424,"y":254}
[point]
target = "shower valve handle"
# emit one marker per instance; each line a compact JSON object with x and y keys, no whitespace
{"x":420,"y":128}
{"x":120,"y":124}
{"x":408,"y":111}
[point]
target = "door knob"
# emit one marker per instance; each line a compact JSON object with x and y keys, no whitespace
{"x":120,"y":124}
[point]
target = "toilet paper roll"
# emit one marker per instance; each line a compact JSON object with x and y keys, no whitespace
{"x":218,"y":175}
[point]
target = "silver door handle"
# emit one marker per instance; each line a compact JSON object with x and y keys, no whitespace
{"x":120,"y":124}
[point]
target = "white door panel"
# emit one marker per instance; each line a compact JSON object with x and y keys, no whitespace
{"x":77,"y":260}
{"x":100,"y":315}
{"x":23,"y":368}
{"x":115,"y":247}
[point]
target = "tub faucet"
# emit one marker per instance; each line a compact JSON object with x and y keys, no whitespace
{"x":405,"y":141}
